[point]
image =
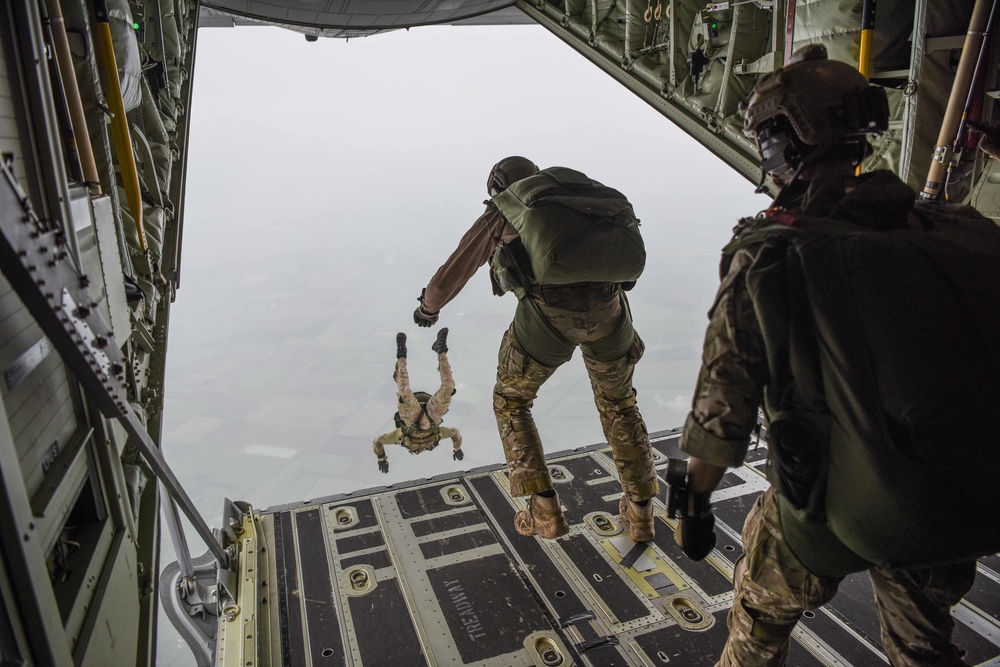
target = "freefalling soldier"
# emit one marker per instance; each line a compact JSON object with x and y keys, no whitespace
{"x":847,"y":424}
{"x":418,"y":421}
{"x":551,"y":321}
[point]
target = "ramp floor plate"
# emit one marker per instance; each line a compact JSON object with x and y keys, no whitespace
{"x":433,"y":573}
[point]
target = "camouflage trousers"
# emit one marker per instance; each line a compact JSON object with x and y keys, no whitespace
{"x":437,"y":405}
{"x":601,"y":326}
{"x":772,"y":589}
{"x":409,"y":410}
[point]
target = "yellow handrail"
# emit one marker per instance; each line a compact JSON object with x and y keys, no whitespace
{"x":865,"y":55}
{"x":865,"y":59}
{"x":119,"y":123}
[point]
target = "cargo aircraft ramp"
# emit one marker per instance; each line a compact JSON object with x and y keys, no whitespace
{"x":433,"y":573}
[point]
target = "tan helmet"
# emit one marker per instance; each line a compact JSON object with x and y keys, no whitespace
{"x":507,"y":171}
{"x":824,"y":102}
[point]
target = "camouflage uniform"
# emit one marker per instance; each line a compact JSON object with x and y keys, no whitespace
{"x":425,"y":437}
{"x":543,"y":337}
{"x":772,"y":589}
{"x":595,"y":318}
{"x":772,"y":586}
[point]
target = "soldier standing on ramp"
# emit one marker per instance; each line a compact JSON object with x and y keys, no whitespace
{"x":418,"y":421}
{"x":542,"y":232}
{"x":866,"y":326}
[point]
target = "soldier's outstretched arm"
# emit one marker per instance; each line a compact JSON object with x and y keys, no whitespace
{"x":422,"y":316}
{"x":378,"y":446}
{"x":456,"y":440}
{"x":473,"y":251}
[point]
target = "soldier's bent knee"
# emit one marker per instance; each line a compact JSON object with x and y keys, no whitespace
{"x":509,"y":403}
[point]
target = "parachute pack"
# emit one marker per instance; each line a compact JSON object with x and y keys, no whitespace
{"x":572,"y":229}
{"x":883,"y":350}
{"x":422,"y":398}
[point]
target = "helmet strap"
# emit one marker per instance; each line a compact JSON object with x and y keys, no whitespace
{"x":779,"y":201}
{"x":761,"y":188}
{"x":782,"y":155}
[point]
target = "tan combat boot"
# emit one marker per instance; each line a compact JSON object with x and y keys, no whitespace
{"x":639,"y":519}
{"x":544,"y":517}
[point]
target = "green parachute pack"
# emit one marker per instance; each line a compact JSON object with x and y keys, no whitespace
{"x":883,"y":351}
{"x":435,"y":429}
{"x":572,"y":230}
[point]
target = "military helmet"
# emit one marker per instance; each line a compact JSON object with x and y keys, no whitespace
{"x":823,"y":102}
{"x":507,"y":171}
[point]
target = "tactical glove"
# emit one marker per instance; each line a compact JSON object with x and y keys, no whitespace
{"x":383,"y":465}
{"x":458,"y":455}
{"x":423,"y":317}
{"x":695,"y":533}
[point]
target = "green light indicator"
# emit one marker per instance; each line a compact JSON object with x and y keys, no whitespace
{"x":714,"y":26}
{"x":135,"y":26}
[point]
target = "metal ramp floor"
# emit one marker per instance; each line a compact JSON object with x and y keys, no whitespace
{"x":433,"y":573}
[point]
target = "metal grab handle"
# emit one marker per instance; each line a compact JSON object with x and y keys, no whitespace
{"x":119,"y":121}
{"x":54,"y":293}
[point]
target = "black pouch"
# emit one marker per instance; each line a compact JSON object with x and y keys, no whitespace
{"x":508,"y":266}
{"x":797,"y":465}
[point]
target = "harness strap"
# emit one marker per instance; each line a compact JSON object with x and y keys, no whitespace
{"x":524,"y":297}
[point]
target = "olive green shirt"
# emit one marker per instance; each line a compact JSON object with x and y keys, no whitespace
{"x":734,"y":369}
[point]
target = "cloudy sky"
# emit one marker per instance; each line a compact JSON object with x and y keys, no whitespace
{"x":326,"y":183}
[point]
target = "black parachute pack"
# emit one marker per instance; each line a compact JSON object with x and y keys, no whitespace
{"x":414,"y":430}
{"x":883,"y":400}
{"x":572,"y":230}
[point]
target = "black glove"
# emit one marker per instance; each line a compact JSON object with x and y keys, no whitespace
{"x":458,"y":455}
{"x":695,"y":533}
{"x":383,"y":465}
{"x":423,"y":317}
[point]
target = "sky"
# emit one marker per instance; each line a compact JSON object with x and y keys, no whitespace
{"x":327,"y":181}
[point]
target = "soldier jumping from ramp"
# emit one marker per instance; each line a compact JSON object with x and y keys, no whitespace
{"x":418,"y":421}
{"x":579,"y":303}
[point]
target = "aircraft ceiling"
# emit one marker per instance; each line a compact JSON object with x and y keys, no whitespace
{"x":358,"y":18}
{"x":695,"y":61}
